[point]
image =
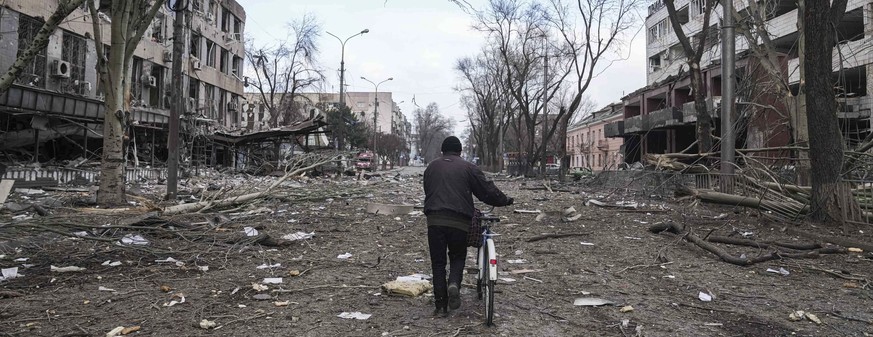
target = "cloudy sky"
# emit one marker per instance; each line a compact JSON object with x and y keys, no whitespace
{"x":417,"y":42}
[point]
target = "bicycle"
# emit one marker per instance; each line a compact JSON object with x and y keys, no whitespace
{"x":486,"y":261}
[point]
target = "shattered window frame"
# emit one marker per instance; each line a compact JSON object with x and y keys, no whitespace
{"x":28,"y":27}
{"x":73,"y":51}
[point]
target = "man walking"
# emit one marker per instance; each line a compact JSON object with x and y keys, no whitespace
{"x":449,"y":184}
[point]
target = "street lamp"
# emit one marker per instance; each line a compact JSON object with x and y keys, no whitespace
{"x":342,"y":98}
{"x":375,"y":106}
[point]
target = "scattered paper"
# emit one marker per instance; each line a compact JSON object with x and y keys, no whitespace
{"x":587,"y":243}
{"x":298,"y":236}
{"x":250,"y":231}
{"x":203,"y":268}
{"x":207,"y":324}
{"x":344,"y":256}
{"x":525,"y":271}
{"x":81,"y":234}
{"x":527,"y":211}
{"x":413,"y":278}
{"x":9,"y":273}
{"x":540,"y":217}
{"x":102,"y":288}
{"x":66,"y":269}
{"x":282,"y":303}
{"x":272,"y":280}
{"x":259,"y":287}
{"x":355,"y":315}
{"x":591,"y":302}
{"x":267,"y":266}
{"x":781,"y":271}
{"x":506,"y":279}
{"x":21,"y":259}
{"x":177,"y":299}
{"x":171,"y":260}
{"x":130,"y":330}
{"x":855,"y":250}
{"x":517,"y":261}
{"x":626,"y":308}
{"x":110,"y":263}
{"x":704,"y":297}
{"x":813,"y":318}
{"x":134,"y":239}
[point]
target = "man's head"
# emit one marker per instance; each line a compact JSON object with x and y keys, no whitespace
{"x":451,"y":144}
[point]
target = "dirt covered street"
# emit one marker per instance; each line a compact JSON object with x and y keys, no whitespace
{"x":239,"y":271}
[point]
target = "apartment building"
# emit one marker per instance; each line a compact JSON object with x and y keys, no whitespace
{"x":661,"y":117}
{"x":587,"y":144}
{"x":55,"y":108}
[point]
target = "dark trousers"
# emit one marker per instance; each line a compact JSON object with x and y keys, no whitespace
{"x":440,"y":239}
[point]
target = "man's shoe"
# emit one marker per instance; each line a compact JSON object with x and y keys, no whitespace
{"x":441,"y":310}
{"x":454,"y":297}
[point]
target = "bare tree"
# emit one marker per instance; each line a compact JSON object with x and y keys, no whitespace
{"x":486,"y":102}
{"x":282,"y":72}
{"x":39,"y":43}
{"x":545,"y":52}
{"x":693,"y":53}
{"x":130,"y":19}
{"x":432,"y":128}
{"x":832,"y":200}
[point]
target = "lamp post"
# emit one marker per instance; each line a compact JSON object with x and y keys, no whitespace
{"x":342,"y":98}
{"x":375,"y":106}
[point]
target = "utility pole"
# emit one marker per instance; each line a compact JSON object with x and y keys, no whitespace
{"x":342,"y":96}
{"x":728,"y":101}
{"x":375,"y":106}
{"x":177,"y":103}
{"x":545,"y":106}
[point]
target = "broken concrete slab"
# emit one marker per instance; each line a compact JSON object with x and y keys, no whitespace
{"x":5,"y":188}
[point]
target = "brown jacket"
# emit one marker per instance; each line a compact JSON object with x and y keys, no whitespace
{"x":449,"y":184}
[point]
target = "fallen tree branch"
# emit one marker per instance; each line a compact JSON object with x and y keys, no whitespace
{"x":555,"y":236}
{"x":724,"y":256}
{"x":197,"y":206}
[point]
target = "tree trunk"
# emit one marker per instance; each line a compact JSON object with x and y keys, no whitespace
{"x":704,"y":119}
{"x":112,"y":166}
{"x":832,"y":200}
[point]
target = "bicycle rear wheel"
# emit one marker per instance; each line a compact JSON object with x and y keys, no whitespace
{"x":488,"y":284}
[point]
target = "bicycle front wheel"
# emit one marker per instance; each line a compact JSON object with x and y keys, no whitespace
{"x":488,"y":284}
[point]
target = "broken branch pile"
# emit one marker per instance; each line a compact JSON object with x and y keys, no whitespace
{"x":776,"y":250}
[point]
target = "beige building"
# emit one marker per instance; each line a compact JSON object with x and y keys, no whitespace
{"x":58,"y":94}
{"x":587,"y":144}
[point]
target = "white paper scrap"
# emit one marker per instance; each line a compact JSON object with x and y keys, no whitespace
{"x":250,"y":231}
{"x":134,"y":239}
{"x":704,"y":297}
{"x":66,"y":269}
{"x":267,"y":266}
{"x":344,"y":256}
{"x":781,"y":271}
{"x":9,"y":273}
{"x":355,"y":315}
{"x":298,"y":236}
{"x":272,"y":280}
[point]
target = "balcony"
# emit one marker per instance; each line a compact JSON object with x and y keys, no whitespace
{"x":854,"y":107}
{"x":665,"y":117}
{"x":602,"y":145}
{"x":28,"y":100}
{"x":615,"y":129}
{"x":689,"y":114}
{"x":636,"y":124}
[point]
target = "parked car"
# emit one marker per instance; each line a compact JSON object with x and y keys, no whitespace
{"x":553,"y":169}
{"x":366,"y":161}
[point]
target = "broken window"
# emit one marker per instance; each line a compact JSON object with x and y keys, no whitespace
{"x":222,"y":105}
{"x":236,"y":66}
{"x":157,"y":92}
{"x":697,"y":7}
{"x":210,"y":53}
{"x":196,"y":5}
{"x":158,"y":28}
{"x":33,"y":73}
{"x":237,"y":29}
{"x":195,"y":45}
{"x":210,"y":103}
{"x":73,"y":51}
{"x":222,"y":61}
{"x":137,"y":83}
{"x":193,"y":94}
{"x":226,"y":19}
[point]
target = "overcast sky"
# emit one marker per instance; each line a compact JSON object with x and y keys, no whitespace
{"x":417,"y":42}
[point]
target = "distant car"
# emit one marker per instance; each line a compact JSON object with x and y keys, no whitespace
{"x":366,"y":161}
{"x":552,"y":169}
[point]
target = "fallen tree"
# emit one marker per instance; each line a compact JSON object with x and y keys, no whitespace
{"x":774,"y":254}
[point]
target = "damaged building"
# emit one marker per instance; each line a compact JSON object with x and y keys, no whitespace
{"x":661,"y":117}
{"x":53,"y":113}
